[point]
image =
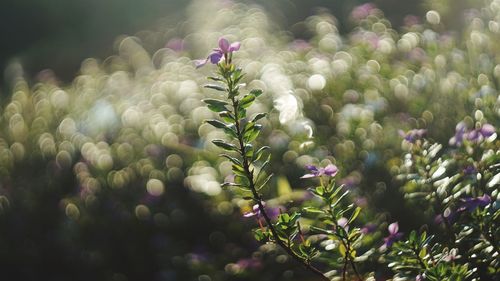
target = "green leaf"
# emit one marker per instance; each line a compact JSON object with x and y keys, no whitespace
{"x":242,"y":180}
{"x":313,"y":210}
{"x":252,"y":133}
{"x":340,"y":198}
{"x":237,"y":77}
{"x":257,"y":155}
{"x":215,"y":87}
{"x":258,"y":117}
{"x":216,"y":105}
{"x":422,"y":253}
{"x":319,"y":191}
{"x":246,"y":101}
{"x":249,"y":150}
{"x":256,"y":92}
{"x":354,"y":235}
{"x":265,"y":182}
{"x":342,"y":250}
{"x":224,"y":145}
{"x":216,"y":123}
{"x":229,"y":184}
{"x":232,"y":159}
{"x":242,"y":113}
{"x":231,"y":131}
{"x":264,"y":165}
{"x":318,"y":230}
{"x":227,"y":116}
{"x":283,"y":185}
{"x":218,"y":79}
{"x":354,"y":215}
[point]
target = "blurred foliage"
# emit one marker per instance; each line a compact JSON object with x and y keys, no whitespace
{"x":114,"y":176}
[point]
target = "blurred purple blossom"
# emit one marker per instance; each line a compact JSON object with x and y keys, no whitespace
{"x":459,"y":134}
{"x":411,"y":20}
{"x":470,"y":204}
{"x":272,"y":212}
{"x":225,"y":48}
{"x":342,"y":222}
{"x":249,"y":263}
{"x":394,"y":235}
{"x":255,"y":212}
{"x":452,"y":255}
{"x":300,"y":45}
{"x":175,"y":44}
{"x":330,"y":170}
{"x":413,"y":135}
{"x":476,"y":135}
{"x":369,"y":228}
{"x":362,"y":11}
{"x":469,"y":170}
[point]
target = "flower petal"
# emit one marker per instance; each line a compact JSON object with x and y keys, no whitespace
{"x":330,"y":170}
{"x":312,"y":168}
{"x":234,"y":47}
{"x":215,"y":57}
{"x":487,"y":130}
{"x":308,"y":176}
{"x":200,"y":63}
{"x":249,"y":214}
{"x":393,"y":228}
{"x":224,"y":45}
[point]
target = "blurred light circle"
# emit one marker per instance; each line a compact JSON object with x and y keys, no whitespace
{"x":142,"y":212}
{"x":155,"y":187}
{"x":63,"y":159}
{"x":72,"y":211}
{"x":316,"y":82}
{"x":433,"y":17}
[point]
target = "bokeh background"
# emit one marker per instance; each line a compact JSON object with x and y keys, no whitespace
{"x":59,"y":34}
{"x":107,"y":171}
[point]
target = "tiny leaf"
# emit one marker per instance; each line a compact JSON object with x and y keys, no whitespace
{"x":256,"y":92}
{"x":215,"y":87}
{"x":246,"y":101}
{"x":224,"y":145}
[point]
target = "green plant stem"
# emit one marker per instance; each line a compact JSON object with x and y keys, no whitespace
{"x":257,"y":196}
{"x":347,"y":246}
{"x":416,"y":250}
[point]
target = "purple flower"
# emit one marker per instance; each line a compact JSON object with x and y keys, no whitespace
{"x":362,"y":11}
{"x":369,"y":228}
{"x":249,"y":263}
{"x":394,"y":235}
{"x":476,"y":135}
{"x":217,"y":54}
{"x":487,"y":130}
{"x":460,"y":132}
{"x":176,"y":44}
{"x":413,"y":135}
{"x":470,"y":170}
{"x":342,"y":222}
{"x":411,"y":20}
{"x":470,"y":204}
{"x":330,"y":170}
{"x":255,"y":212}
{"x":452,"y":255}
{"x":482,"y":133}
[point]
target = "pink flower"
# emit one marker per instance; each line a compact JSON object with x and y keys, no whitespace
{"x":394,"y":235}
{"x":225,"y":49}
{"x":330,"y":171}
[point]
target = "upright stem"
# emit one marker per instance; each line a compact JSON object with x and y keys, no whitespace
{"x":347,"y":246}
{"x":257,"y":197}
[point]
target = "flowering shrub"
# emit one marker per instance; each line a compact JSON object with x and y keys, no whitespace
{"x":427,"y":168}
{"x":393,"y":131}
